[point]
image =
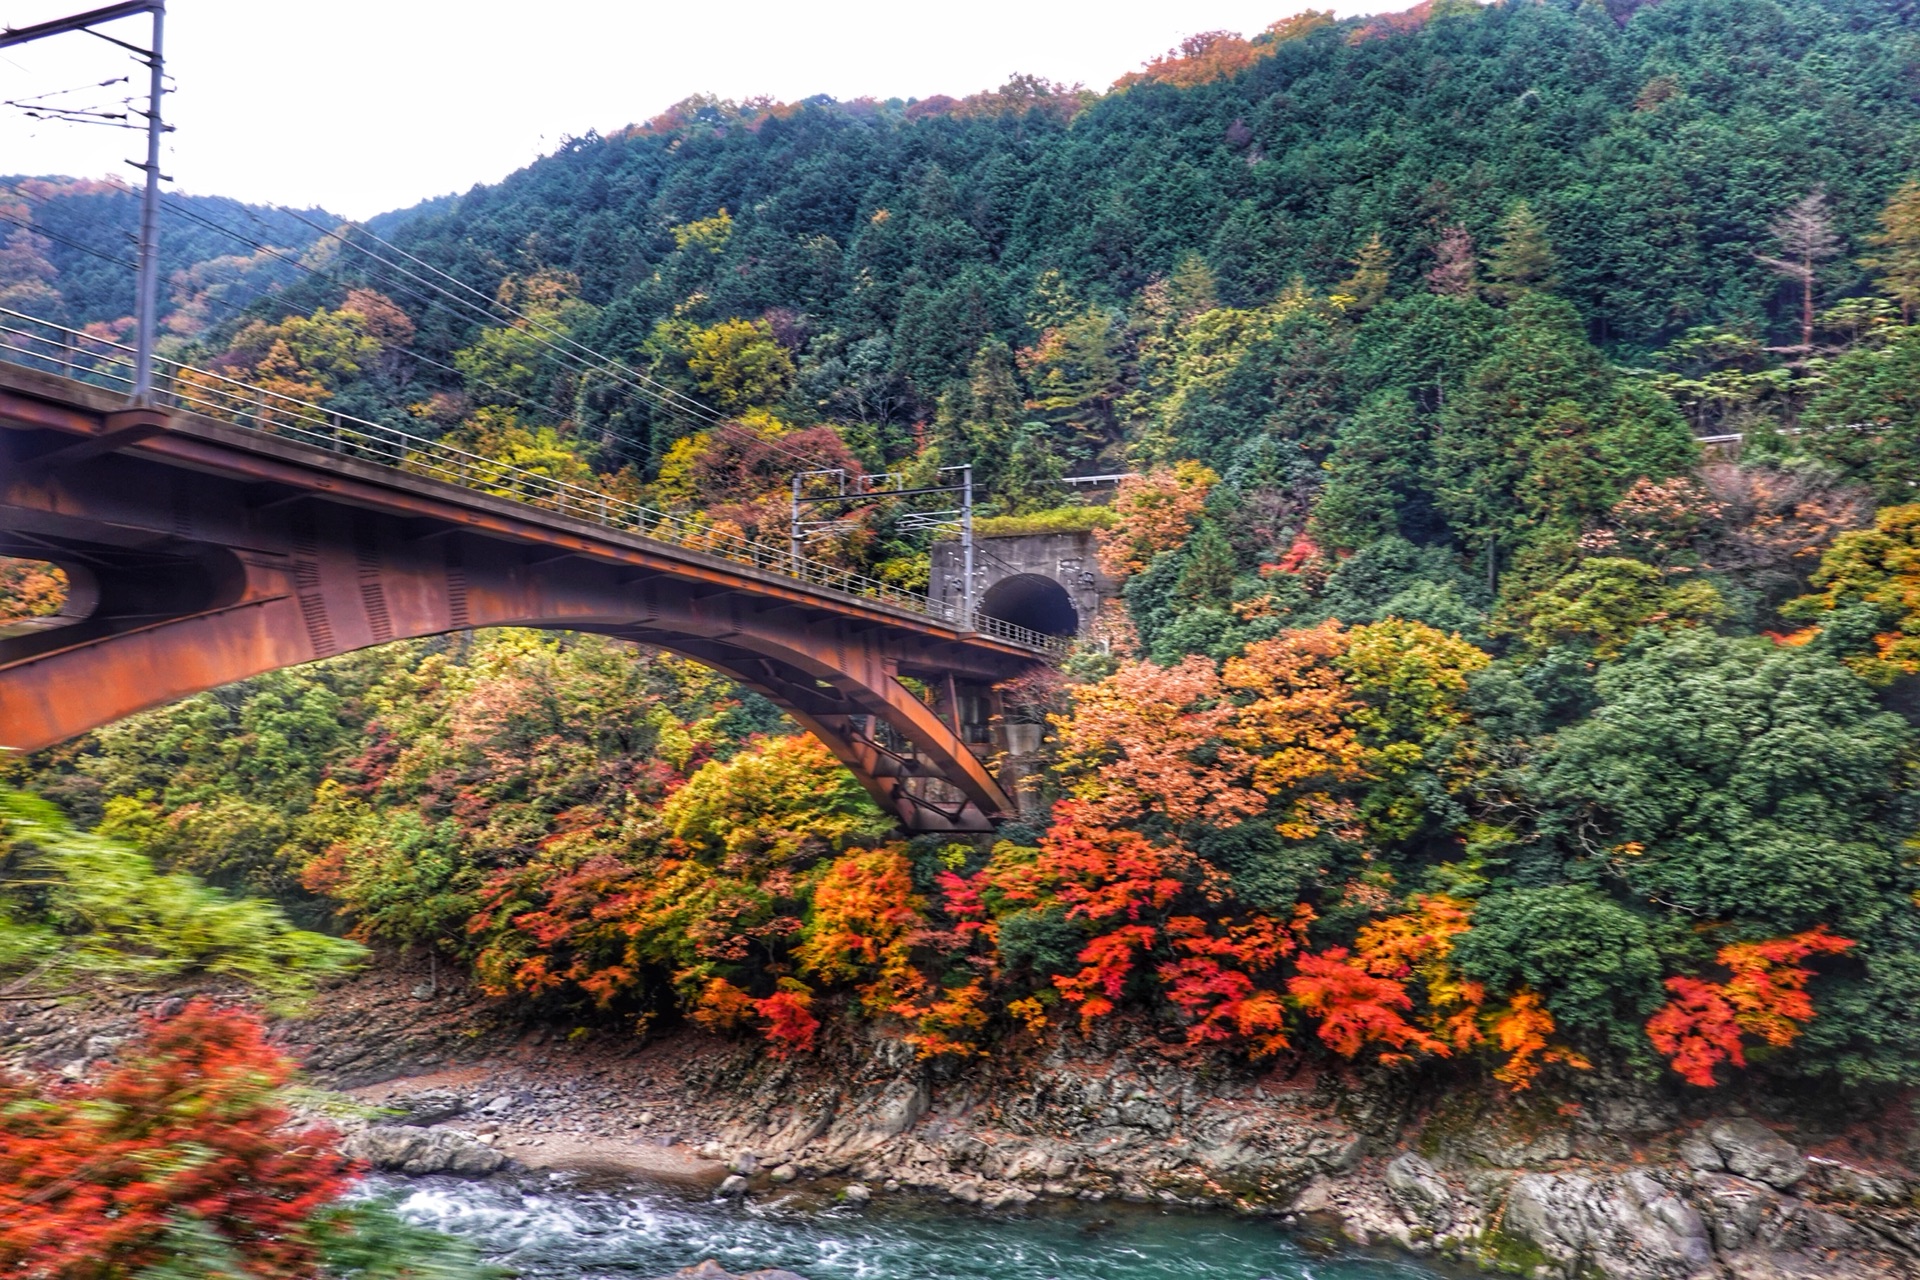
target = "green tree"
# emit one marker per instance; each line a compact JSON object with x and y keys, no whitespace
{"x":1867,"y":420}
{"x":80,"y":908}
{"x":1522,"y":260}
{"x":1732,"y":779}
{"x":1545,"y":436}
{"x":739,"y":364}
{"x":1896,"y":256}
{"x":1593,"y":960}
{"x":1372,"y":274}
{"x":1374,"y":473}
{"x":1609,"y":599}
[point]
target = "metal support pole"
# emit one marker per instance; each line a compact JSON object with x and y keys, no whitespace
{"x":148,"y":301}
{"x":966,"y":544}
{"x":793,"y":536}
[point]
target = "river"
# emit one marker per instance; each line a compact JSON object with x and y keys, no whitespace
{"x":550,"y":1227}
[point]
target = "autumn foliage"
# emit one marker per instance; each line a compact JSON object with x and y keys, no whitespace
{"x":1155,"y":512}
{"x":29,"y":589}
{"x":1764,"y":996}
{"x":185,"y":1132}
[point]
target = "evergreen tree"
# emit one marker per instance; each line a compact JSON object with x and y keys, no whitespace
{"x":1454,"y":273}
{"x":1545,"y":435}
{"x":1897,"y":243}
{"x":1210,"y":568}
{"x":1372,"y":268}
{"x":1375,"y":469}
{"x":1522,"y":259}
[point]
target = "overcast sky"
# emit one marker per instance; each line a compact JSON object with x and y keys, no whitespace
{"x":366,"y":105}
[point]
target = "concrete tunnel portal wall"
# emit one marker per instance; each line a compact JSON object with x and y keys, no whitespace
{"x":1050,"y":582}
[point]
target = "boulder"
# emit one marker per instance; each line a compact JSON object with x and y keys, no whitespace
{"x":733,"y":1185}
{"x":1419,"y":1192}
{"x":427,"y":1107}
{"x":856,"y":1193}
{"x":1754,"y":1151}
{"x":1859,"y":1186}
{"x":1630,"y":1226}
{"x":418,"y":1151}
{"x":1735,"y":1208}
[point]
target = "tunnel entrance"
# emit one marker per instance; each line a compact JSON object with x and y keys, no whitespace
{"x":1031,"y":601}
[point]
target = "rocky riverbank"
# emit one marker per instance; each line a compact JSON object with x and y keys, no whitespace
{"x":1612,"y":1180}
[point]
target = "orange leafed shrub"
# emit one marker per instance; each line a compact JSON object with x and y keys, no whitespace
{"x":791,"y":1025}
{"x":1210,"y":980}
{"x":1103,"y":873}
{"x":949,"y":1024}
{"x":1357,"y":1008}
{"x":1133,"y":745}
{"x":864,"y":915}
{"x":722,"y":1006}
{"x":93,"y":1175}
{"x":1417,"y":943}
{"x":1765,"y":995}
{"x":1108,"y":962}
{"x":1521,"y":1030}
{"x":30,"y":589}
{"x":1295,"y":726}
{"x":1155,"y":512}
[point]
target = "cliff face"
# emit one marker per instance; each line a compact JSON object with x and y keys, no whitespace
{"x":1614,"y":1180}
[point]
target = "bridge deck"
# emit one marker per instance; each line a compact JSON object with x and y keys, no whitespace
{"x":56,"y":378}
{"x":224,"y":531}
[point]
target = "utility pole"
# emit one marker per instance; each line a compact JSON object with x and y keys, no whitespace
{"x":966,"y":544}
{"x":860,"y":488}
{"x":147,"y":294}
{"x":147,"y":282}
{"x":793,"y":532}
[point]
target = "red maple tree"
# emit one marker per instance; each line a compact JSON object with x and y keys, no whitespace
{"x":1765,"y":995}
{"x":94,"y":1176}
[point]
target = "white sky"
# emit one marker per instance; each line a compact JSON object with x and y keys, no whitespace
{"x":367,"y":105}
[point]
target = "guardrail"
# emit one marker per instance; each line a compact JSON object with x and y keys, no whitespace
{"x":40,"y":344}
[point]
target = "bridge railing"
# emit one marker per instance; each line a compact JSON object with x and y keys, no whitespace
{"x":41,"y":344}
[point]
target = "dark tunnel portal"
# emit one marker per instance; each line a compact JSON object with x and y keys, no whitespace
{"x":1029,"y":600}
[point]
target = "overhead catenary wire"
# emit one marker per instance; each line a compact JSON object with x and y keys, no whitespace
{"x":671,"y":394}
{"x":57,"y":238}
{"x":281,"y":255}
{"x":427,"y":294}
{"x":479,"y":306}
{"x":228,"y":309}
{"x":574,"y":352}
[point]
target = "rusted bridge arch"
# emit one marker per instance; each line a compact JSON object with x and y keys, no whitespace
{"x":202,"y":553}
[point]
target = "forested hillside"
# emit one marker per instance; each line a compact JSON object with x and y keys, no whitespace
{"x":1464,"y":709}
{"x":67,"y":247}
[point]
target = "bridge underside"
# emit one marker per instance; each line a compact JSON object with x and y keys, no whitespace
{"x":200,"y":555}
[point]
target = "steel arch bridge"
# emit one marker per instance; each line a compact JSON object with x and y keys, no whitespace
{"x":225,"y":532}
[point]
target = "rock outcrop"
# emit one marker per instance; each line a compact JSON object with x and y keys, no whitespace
{"x":417,"y":1150}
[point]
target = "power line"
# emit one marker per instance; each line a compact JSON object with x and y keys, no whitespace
{"x":281,"y":255}
{"x":71,"y":244}
{"x":655,"y":391}
{"x":669,"y":394}
{"x":434,"y":295}
{"x":427,"y":292}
